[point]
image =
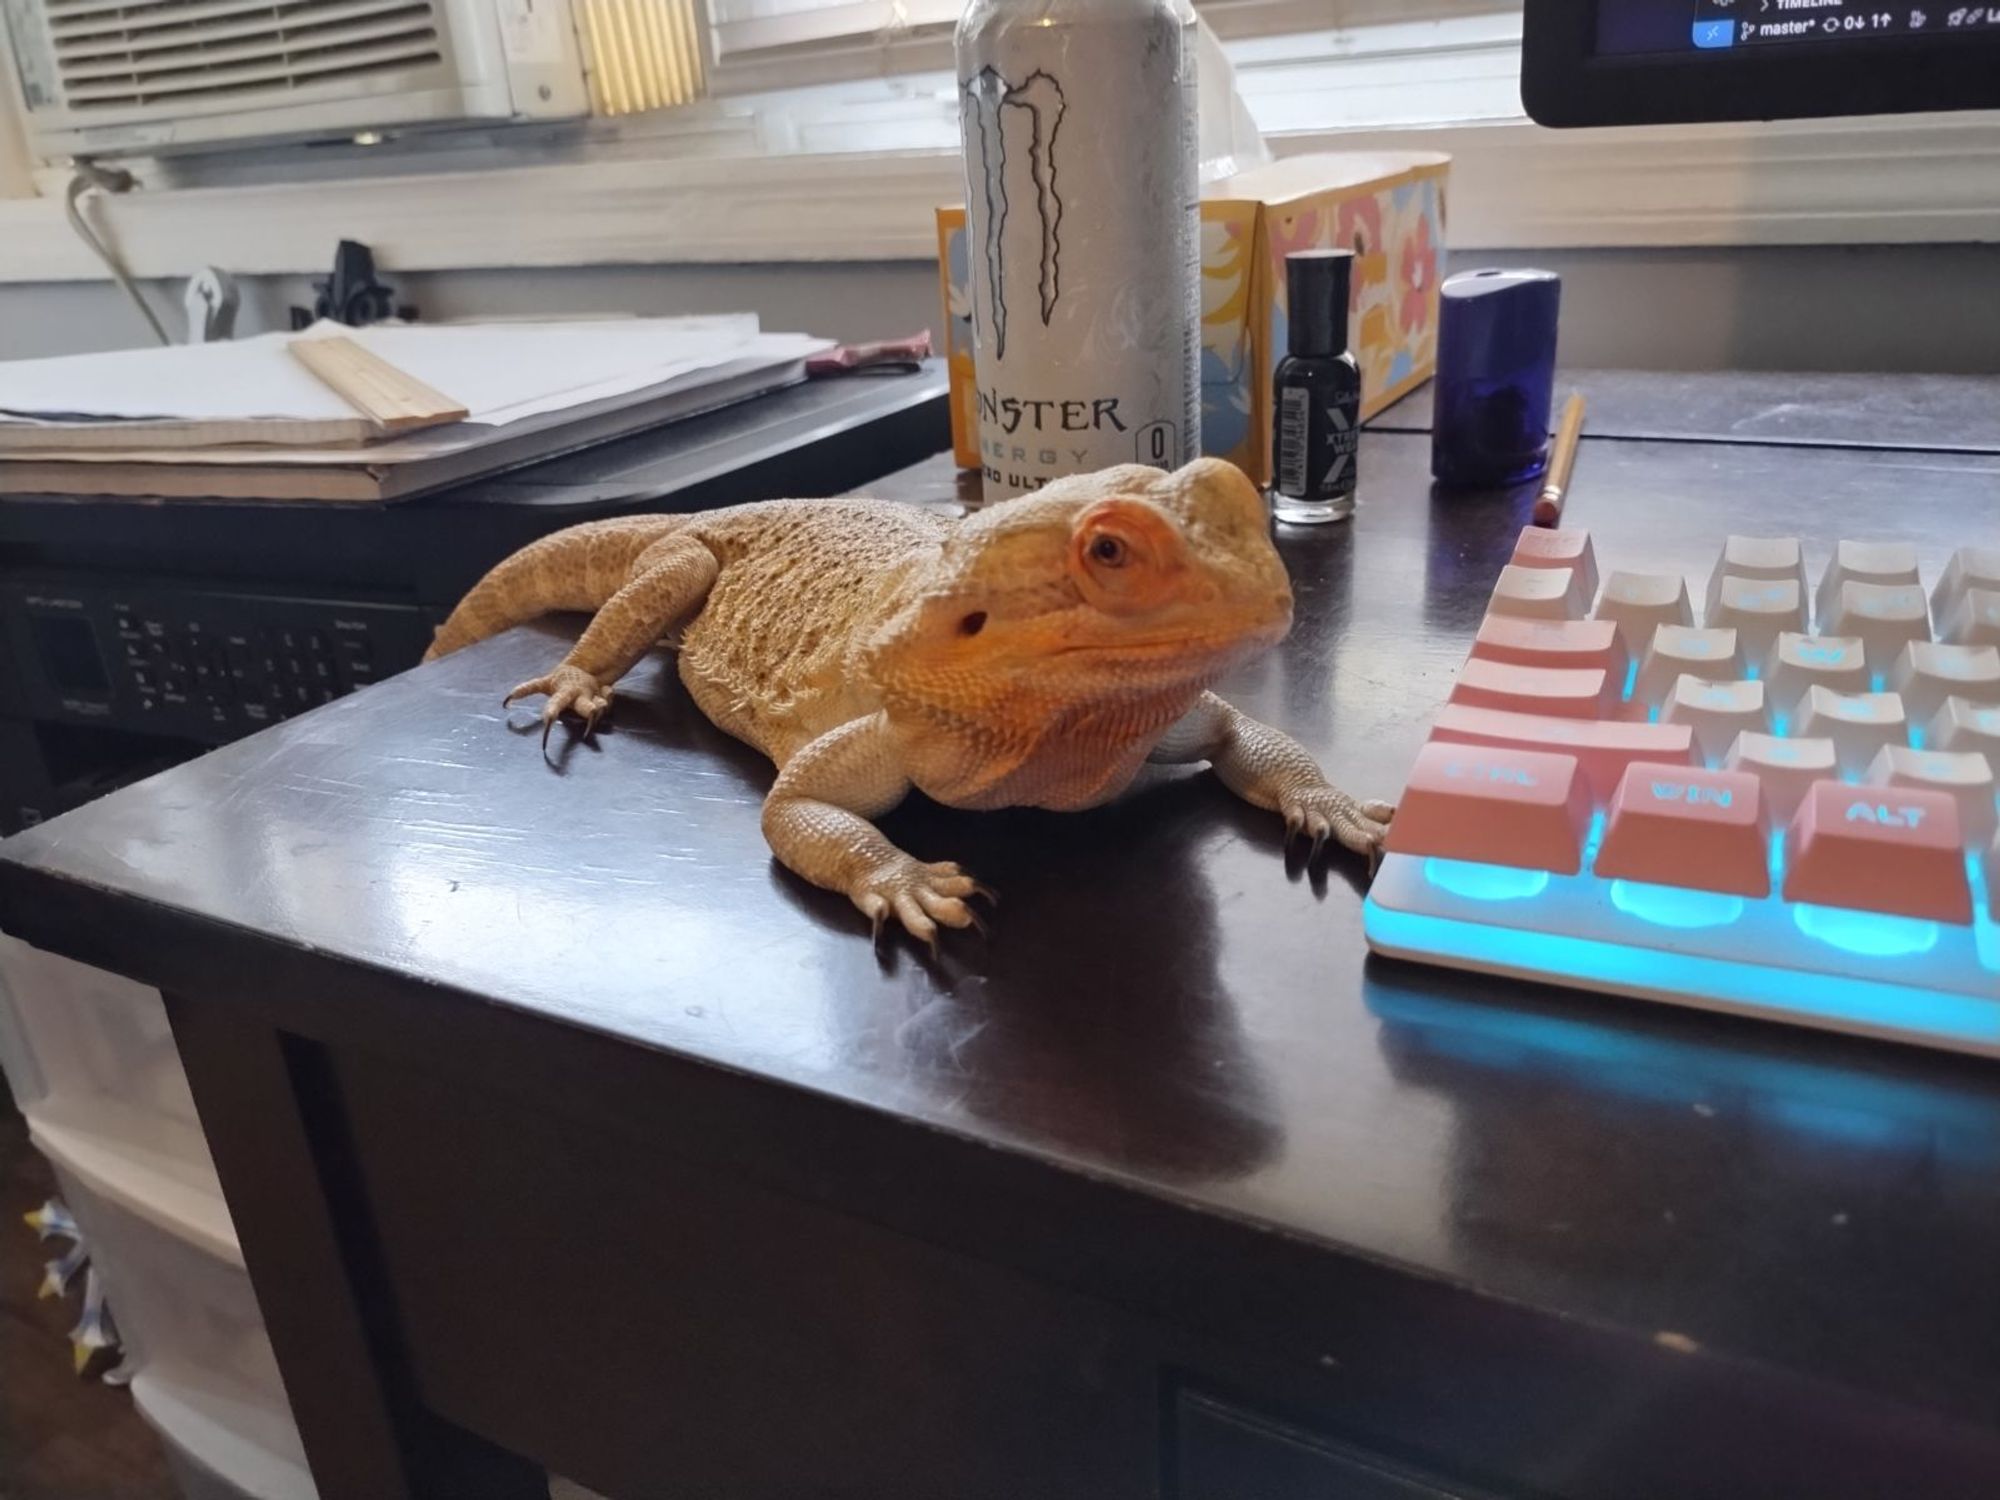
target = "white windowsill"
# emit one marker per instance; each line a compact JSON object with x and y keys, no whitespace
{"x":854,"y":171}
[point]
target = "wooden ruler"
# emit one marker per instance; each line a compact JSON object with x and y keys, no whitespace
{"x":394,"y":401}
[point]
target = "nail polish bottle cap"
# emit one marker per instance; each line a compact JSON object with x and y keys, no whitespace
{"x":1317,"y":287}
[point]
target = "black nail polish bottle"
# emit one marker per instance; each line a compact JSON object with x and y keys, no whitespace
{"x":1317,"y":411}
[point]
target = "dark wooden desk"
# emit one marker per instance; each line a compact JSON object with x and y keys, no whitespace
{"x":562,"y":1129}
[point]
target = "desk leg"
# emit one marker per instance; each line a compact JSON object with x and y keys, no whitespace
{"x":281,"y":1149}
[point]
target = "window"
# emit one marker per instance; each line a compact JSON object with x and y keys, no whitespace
{"x":745,"y":26}
{"x":1301,"y":65}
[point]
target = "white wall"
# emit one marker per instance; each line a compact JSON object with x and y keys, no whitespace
{"x":1932,"y":308}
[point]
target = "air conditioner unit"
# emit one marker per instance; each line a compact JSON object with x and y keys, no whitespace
{"x":123,"y":77}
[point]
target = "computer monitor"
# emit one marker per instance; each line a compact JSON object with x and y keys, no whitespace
{"x":1647,"y":62}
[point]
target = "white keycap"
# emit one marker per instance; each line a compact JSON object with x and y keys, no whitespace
{"x":1784,"y":768}
{"x":1964,"y":725}
{"x":1880,"y":563}
{"x":1717,"y":712}
{"x":1927,"y":673}
{"x":1799,"y":662}
{"x":1886,"y":617}
{"x":1859,"y":724}
{"x":1965,"y":776}
{"x":1974,"y":620}
{"x":1766,"y":559}
{"x":1759,"y":610}
{"x":1540,"y":547}
{"x":1642,"y":602}
{"x":1678,"y":649}
{"x":1969,"y":568}
{"x":1536,"y":594}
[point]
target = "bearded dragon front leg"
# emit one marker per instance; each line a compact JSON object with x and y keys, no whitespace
{"x":817,"y":821}
{"x":1270,"y":769}
{"x":668,"y":580}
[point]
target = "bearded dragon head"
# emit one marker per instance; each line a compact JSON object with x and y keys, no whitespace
{"x":1128,"y":590}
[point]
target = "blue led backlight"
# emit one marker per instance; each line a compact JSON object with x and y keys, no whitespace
{"x":1631,"y":678}
{"x":1877,"y":681}
{"x":1690,"y":793}
{"x":1479,"y":882}
{"x":1753,"y":671}
{"x":1986,"y":931}
{"x":1916,"y":736}
{"x":1884,"y":814}
{"x":1593,"y":838}
{"x":1817,"y":998}
{"x":1781,"y":726}
{"x":1675,"y":906}
{"x":1871,"y":934}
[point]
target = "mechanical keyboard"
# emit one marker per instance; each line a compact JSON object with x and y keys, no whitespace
{"x":1766,"y":797}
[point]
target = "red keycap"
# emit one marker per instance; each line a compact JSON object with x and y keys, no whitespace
{"x":1603,"y":748}
{"x":1680,"y":825}
{"x":1570,"y":693}
{"x":1576,"y":645}
{"x":1502,"y":807}
{"x":1539,"y":547}
{"x":1890,"y":849}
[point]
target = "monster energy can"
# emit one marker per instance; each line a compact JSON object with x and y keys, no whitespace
{"x":1083,"y":233}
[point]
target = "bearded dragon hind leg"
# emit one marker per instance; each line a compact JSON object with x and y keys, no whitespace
{"x":570,"y":690}
{"x":668,"y":581}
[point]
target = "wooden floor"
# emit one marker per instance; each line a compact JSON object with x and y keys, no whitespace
{"x":61,"y":1438}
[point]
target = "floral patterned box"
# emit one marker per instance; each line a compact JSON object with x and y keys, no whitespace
{"x":1388,"y":207}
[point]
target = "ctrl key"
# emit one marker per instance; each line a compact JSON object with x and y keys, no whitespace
{"x":1524,"y":808}
{"x":1878,"y":848}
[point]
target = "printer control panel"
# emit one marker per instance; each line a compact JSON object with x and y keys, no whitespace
{"x":205,"y":665}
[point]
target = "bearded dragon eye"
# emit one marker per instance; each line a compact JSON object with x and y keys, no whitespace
{"x":973,"y":623}
{"x":1108,"y":550}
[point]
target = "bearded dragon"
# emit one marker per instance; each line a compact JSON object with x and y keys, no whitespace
{"x":1035,"y":653}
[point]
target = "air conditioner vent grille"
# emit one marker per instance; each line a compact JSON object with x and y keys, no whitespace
{"x":112,"y":56}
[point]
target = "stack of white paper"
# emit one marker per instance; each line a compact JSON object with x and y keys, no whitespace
{"x":207,"y":415}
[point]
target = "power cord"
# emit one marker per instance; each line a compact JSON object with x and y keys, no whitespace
{"x":88,"y":175}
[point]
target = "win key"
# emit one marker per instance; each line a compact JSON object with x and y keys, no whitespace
{"x":1680,"y":825}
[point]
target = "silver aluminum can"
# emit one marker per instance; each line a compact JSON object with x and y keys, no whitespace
{"x":1083,"y":235}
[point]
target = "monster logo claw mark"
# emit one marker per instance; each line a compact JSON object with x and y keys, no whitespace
{"x":1041,"y":98}
{"x":983,"y":96}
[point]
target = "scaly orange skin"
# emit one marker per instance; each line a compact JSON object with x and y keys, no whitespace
{"x":1036,"y":653}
